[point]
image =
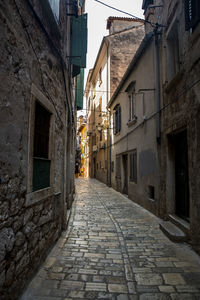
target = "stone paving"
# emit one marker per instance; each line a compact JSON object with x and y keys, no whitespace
{"x":114,"y":249}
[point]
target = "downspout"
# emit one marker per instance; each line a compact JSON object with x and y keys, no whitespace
{"x":157,"y":85}
{"x":107,"y":95}
{"x":108,"y":167}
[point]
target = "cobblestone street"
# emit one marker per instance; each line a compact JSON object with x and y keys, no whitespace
{"x":114,"y":249}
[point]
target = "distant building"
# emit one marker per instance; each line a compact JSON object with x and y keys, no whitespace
{"x":115,"y":54}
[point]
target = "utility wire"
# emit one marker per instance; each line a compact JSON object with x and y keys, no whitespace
{"x":130,"y":15}
{"x":185,"y":90}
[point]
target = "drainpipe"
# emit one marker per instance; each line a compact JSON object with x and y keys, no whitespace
{"x":157,"y":85}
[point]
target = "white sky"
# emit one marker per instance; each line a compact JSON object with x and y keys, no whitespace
{"x":97,"y":17}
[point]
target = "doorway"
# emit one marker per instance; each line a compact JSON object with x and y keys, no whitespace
{"x":125,"y":174}
{"x":182,"y":203}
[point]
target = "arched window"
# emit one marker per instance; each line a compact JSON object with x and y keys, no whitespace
{"x":117,"y":119}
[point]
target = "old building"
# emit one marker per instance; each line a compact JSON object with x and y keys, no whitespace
{"x":134,"y":147}
{"x":39,"y":64}
{"x":179,"y":44}
{"x":154,"y":120}
{"x":115,"y":53}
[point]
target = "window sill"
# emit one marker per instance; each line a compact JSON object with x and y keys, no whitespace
{"x":117,"y":134}
{"x":37,"y":196}
{"x":132,"y":122}
{"x":174,"y":81}
{"x":133,"y":182}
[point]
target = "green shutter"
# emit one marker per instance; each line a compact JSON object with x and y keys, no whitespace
{"x":41,"y":173}
{"x":79,"y":41}
{"x":79,"y":90}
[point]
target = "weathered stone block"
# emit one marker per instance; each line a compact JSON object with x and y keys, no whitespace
{"x":20,"y":239}
{"x":7,"y":239}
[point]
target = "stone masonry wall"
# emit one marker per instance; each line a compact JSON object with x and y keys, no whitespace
{"x":27,"y":232}
{"x":124,"y":45}
{"x":183,"y":112}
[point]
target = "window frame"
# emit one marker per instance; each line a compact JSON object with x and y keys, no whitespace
{"x":33,"y":197}
{"x":173,"y":50}
{"x":117,"y":118}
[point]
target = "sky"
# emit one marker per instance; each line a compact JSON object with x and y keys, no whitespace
{"x":97,"y":17}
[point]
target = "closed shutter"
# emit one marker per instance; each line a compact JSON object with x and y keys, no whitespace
{"x":79,"y":41}
{"x":79,"y":90}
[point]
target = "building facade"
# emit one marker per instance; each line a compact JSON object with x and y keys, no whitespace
{"x":134,"y":147}
{"x":115,"y":53}
{"x":37,"y":133}
{"x":154,"y":119}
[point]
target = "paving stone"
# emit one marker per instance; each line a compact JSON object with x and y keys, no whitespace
{"x":166,"y":289}
{"x":94,"y":286}
{"x":148,"y":279}
{"x":154,"y":296}
{"x":76,"y":294}
{"x":173,"y":279}
{"x":183,"y":296}
{"x":115,"y":250}
{"x":117,"y":288}
{"x":72,"y":285}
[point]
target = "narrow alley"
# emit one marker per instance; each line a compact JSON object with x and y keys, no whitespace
{"x":114,"y":249}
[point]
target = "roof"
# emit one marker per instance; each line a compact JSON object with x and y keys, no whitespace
{"x":111,"y":19}
{"x":144,"y":44}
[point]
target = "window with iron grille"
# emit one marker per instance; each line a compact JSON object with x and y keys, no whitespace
{"x":133,"y":166}
{"x":41,"y":161}
{"x":117,"y":119}
{"x":118,"y":167}
{"x":192,"y":13}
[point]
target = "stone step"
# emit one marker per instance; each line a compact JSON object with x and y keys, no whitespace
{"x":182,"y":224}
{"x":174,"y":233}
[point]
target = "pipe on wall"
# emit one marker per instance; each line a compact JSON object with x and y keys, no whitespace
{"x":157,"y":85}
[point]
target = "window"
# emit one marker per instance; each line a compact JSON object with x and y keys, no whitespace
{"x":112,"y":166}
{"x":151,"y":192}
{"x":117,"y":119}
{"x":100,"y":76}
{"x":192,"y":13}
{"x":94,"y":139}
{"x":100,"y":135}
{"x":131,"y":107}
{"x":133,"y":166}
{"x":131,"y":101}
{"x":118,"y":167}
{"x":41,"y":161}
{"x":173,"y":61}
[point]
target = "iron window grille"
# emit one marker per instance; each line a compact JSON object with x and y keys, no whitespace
{"x":192,"y":13}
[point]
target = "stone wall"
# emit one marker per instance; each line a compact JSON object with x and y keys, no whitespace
{"x":123,"y":47}
{"x":27,"y":229}
{"x":181,"y":94}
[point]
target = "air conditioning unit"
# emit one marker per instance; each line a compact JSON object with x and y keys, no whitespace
{"x":94,"y":148}
{"x":102,"y":145}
